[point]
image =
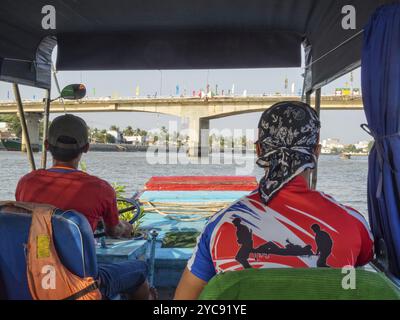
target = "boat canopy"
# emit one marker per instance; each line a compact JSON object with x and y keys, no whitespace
{"x":181,"y":34}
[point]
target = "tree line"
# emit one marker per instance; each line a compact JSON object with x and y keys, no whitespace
{"x":102,"y":136}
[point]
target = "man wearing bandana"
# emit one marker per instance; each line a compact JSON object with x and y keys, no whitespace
{"x":284,"y":223}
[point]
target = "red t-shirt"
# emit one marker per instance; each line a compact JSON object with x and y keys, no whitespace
{"x":70,"y":189}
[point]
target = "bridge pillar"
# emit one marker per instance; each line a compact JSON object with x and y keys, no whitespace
{"x":198,"y":137}
{"x":33,"y":124}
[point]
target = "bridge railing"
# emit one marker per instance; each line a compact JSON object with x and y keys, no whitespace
{"x":172,"y":97}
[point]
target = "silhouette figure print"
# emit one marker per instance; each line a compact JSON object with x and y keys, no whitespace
{"x":245,"y":239}
{"x":324,"y":245}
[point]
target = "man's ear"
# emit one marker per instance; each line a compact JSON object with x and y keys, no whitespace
{"x":318,"y":149}
{"x":258,"y":149}
{"x":86,"y":148}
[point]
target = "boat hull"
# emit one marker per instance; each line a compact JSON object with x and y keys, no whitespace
{"x":11,"y":145}
{"x":15,"y":145}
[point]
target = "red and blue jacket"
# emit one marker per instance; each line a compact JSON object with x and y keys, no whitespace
{"x":299,"y":228}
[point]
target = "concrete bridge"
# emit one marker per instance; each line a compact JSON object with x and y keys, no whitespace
{"x":197,"y":112}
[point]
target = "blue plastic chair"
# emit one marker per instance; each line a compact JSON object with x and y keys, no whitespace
{"x":73,"y":238}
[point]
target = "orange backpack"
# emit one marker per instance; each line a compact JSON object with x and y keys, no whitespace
{"x":48,"y":278}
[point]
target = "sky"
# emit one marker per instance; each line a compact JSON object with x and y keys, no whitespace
{"x":344,"y":125}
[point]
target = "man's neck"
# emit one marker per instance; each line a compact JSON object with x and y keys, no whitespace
{"x":69,"y":164}
{"x":306,"y":175}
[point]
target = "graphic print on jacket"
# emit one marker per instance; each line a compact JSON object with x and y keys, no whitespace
{"x":299,"y":228}
{"x":244,"y":237}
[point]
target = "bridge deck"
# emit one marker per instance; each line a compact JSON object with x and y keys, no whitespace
{"x":239,"y":104}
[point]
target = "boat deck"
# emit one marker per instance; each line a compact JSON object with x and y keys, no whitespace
{"x":164,"y":223}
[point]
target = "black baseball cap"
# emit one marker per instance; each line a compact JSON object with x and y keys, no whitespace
{"x":70,"y":126}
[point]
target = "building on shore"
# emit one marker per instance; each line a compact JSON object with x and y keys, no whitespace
{"x":5,"y":132}
{"x":331,"y":146}
{"x":334,"y":146}
{"x":117,"y":136}
{"x":135,"y":140}
{"x":4,"y":127}
{"x":362,"y":145}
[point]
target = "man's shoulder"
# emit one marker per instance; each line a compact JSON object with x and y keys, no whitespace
{"x":97,"y":182}
{"x":341,"y":208}
{"x":25,"y":182}
{"x":31,"y":175}
{"x":248,"y":203}
{"x":329,"y":200}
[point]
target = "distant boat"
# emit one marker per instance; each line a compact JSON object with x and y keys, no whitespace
{"x":12,"y":144}
{"x":345,"y":156}
{"x":349,"y":155}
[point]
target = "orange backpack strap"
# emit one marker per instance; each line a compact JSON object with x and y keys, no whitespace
{"x":21,"y":207}
{"x":48,"y":279}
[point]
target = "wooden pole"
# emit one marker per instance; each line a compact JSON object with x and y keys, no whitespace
{"x":318,"y":110}
{"x":24,"y":126}
{"x":45,"y":127}
{"x":308,"y":98}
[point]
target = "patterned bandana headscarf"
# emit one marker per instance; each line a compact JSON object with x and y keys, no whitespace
{"x":288,"y":135}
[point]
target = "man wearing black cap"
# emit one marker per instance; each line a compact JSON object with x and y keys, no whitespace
{"x":67,"y":188}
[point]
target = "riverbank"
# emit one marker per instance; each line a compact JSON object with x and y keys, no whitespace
{"x":111,"y":147}
{"x":122,"y":147}
{"x":107,"y":147}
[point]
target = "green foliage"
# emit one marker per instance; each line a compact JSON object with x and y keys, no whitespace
{"x":109,"y":138}
{"x":335,"y":150}
{"x":128,"y":131}
{"x":41,"y":128}
{"x":114,"y":128}
{"x":83,"y":166}
{"x":127,"y":216}
{"x":101,"y":136}
{"x":13,"y":122}
{"x":243,"y":141}
{"x":179,"y":239}
{"x":350,"y":148}
{"x":222,"y":142}
{"x":120,"y":191}
{"x":98,"y":135}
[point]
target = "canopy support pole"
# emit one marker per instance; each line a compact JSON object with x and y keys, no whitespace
{"x":45,"y":127}
{"x":318,"y":110}
{"x":55,"y":78}
{"x":308,"y":98}
{"x":24,"y":126}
